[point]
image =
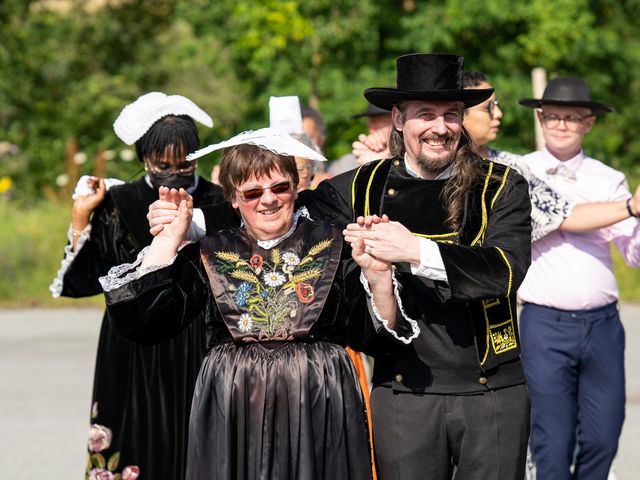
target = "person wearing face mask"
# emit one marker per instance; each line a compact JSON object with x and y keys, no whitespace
{"x":142,"y":393}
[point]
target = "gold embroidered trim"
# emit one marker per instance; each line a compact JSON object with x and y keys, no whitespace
{"x":504,"y":257}
{"x":353,"y":187}
{"x":504,"y":180}
{"x":484,"y":207}
{"x":367,"y":210}
{"x":440,"y":235}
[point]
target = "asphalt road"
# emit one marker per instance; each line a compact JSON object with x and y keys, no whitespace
{"x":46,"y":373}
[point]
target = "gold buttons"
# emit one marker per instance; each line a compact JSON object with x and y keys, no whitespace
{"x":399,"y":378}
{"x":392,"y":192}
{"x":482,"y":380}
{"x":396,"y":162}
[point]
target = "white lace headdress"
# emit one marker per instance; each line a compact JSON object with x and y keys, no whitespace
{"x":138,"y":117}
{"x":266,"y":138}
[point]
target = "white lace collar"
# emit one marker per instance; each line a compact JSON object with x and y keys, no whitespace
{"x":269,"y":244}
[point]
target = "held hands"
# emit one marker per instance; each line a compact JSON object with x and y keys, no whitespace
{"x":176,"y":224}
{"x":164,"y":210}
{"x":84,"y":205}
{"x":374,"y":146}
{"x":384,"y":240}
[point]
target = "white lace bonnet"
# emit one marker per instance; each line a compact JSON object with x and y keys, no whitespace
{"x":285,"y":118}
{"x":138,"y":117}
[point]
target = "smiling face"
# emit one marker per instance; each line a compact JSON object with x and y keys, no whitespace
{"x":482,"y":126}
{"x":563,"y":128}
{"x":270,"y":215}
{"x":431,"y":132}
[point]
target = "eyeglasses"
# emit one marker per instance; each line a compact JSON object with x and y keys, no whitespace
{"x":165,"y":168}
{"x":572,"y":122}
{"x":490,"y":107}
{"x":276,"y":188}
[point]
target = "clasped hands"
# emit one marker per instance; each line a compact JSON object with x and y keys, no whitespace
{"x":376,"y":241}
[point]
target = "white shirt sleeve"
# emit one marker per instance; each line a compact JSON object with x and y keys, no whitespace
{"x":198,"y":227}
{"x":431,"y":264}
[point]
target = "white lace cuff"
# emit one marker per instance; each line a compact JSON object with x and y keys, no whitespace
{"x":69,"y":256}
{"x":128,"y":272}
{"x":415,"y":329}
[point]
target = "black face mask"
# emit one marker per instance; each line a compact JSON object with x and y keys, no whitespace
{"x":171,"y":180}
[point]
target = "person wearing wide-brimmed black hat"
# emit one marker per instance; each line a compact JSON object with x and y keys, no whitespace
{"x":573,"y":341}
{"x":454,"y":401}
{"x":449,"y":393}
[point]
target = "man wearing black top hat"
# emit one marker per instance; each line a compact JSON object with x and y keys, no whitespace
{"x":453,"y":403}
{"x":573,"y":341}
{"x":449,"y":397}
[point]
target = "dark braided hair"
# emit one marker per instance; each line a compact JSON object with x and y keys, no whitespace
{"x":176,"y":134}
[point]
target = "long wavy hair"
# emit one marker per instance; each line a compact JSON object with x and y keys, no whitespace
{"x":466,"y":169}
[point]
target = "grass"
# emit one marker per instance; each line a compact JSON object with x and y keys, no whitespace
{"x":32,"y":244}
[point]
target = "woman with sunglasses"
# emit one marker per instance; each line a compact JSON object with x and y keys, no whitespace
{"x":549,"y":211}
{"x":277,"y":395}
{"x":141,"y":393}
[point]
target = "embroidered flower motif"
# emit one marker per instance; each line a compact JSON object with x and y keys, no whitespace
{"x":241,"y":294}
{"x":130,"y":472}
{"x":256,"y":262}
{"x":305,"y":292}
{"x":99,"y":438}
{"x":272,"y":288}
{"x":274,"y":279}
{"x":245,"y":323}
{"x":100,"y":474}
{"x":290,"y":259}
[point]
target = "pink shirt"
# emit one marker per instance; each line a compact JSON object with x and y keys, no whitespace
{"x":573,"y":271}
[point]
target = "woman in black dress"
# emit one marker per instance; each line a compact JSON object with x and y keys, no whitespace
{"x":277,"y":396}
{"x":142,"y":393}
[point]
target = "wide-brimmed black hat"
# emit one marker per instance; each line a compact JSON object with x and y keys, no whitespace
{"x":430,"y":77}
{"x":568,"y":91}
{"x":372,"y":111}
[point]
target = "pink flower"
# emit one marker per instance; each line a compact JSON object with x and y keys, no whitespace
{"x":131,"y":472}
{"x":99,"y":438}
{"x":100,"y":474}
{"x":256,"y":262}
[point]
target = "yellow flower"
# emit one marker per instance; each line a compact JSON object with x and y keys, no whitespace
{"x":5,"y":184}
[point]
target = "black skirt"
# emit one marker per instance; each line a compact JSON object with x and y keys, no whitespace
{"x":289,"y":410}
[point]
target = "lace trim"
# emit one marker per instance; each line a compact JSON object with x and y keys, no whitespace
{"x":69,"y":256}
{"x":121,"y":275}
{"x":269,"y":244}
{"x":385,"y":323}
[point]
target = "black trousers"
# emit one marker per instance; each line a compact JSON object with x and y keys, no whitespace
{"x":441,"y":437}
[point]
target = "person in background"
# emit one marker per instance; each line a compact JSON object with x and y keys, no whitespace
{"x":141,"y":393}
{"x":572,"y":337}
{"x":368,"y":146}
{"x":549,"y":210}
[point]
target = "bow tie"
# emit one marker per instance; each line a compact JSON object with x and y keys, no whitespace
{"x":562,"y":171}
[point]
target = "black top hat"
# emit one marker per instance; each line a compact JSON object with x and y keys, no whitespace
{"x":569,"y":91}
{"x":372,"y":111}
{"x":430,"y":77}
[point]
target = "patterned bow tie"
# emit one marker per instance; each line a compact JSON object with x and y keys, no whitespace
{"x":562,"y":171}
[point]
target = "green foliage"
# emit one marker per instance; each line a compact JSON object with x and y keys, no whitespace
{"x":67,"y":73}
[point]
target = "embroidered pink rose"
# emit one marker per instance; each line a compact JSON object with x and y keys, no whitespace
{"x":305,"y":292}
{"x":99,"y":438}
{"x":130,"y":472}
{"x":256,"y":262}
{"x":100,"y":474}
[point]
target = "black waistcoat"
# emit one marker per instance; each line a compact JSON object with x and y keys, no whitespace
{"x":463,"y":347}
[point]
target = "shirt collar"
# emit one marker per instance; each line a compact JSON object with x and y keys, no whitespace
{"x":572,"y":164}
{"x":442,"y":176}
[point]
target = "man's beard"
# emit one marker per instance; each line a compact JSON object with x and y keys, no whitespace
{"x":435,"y":166}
